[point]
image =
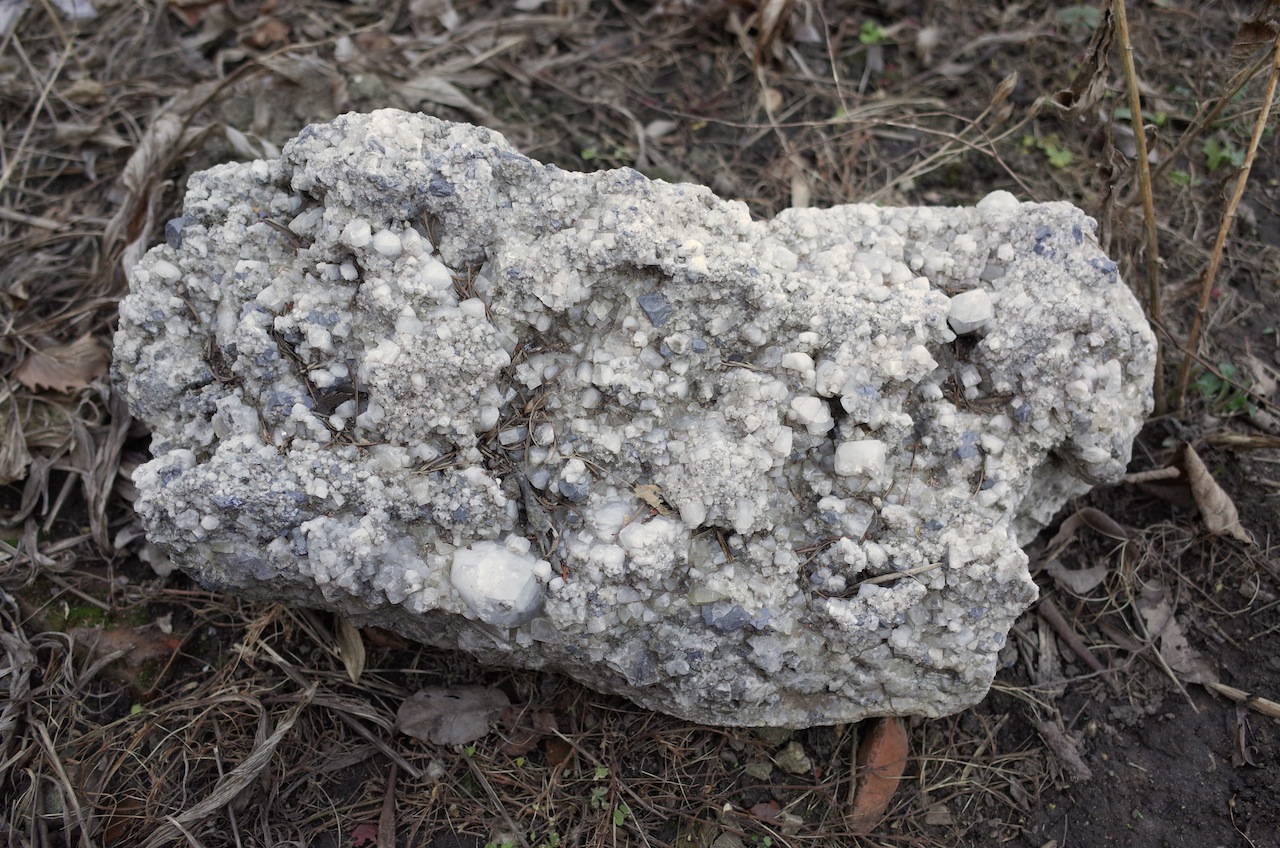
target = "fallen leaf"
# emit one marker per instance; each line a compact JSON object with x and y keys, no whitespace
{"x":350,"y":649}
{"x":138,"y":650}
{"x":767,"y":810}
{"x":363,"y":834}
{"x":1158,"y":617}
{"x":1252,"y":37}
{"x":558,"y":751}
{"x":652,"y":495}
{"x":1216,"y":507}
{"x":1090,"y":83}
{"x":524,"y":729}
{"x":1078,"y":581}
{"x":882,"y":760}
{"x":450,"y":716}
{"x":380,"y":638}
{"x":63,"y":368}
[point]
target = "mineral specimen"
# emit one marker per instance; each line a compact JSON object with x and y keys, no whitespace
{"x":744,"y":472}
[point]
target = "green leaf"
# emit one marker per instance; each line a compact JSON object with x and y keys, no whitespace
{"x":1218,"y":153}
{"x":620,"y":814}
{"x":1058,"y":157}
{"x":871,"y":33}
{"x":1179,"y":178}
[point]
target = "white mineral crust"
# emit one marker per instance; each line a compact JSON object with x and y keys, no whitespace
{"x":616,"y":428}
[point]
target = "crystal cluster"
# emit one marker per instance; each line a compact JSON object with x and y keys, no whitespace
{"x":745,"y":472}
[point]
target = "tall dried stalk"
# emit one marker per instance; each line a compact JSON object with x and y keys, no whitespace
{"x":1228,"y":218}
{"x":1148,"y":199}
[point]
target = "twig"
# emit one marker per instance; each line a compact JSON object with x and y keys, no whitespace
{"x":1253,"y":702}
{"x":1060,"y":624}
{"x":1148,"y":200}
{"x":1228,"y":217}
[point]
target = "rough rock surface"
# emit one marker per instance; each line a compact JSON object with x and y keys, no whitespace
{"x":743,"y":472}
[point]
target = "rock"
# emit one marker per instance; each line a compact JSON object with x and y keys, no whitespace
{"x":793,"y":759}
{"x":743,"y":472}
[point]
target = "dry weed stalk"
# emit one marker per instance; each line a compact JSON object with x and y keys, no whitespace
{"x":1224,"y":228}
{"x":1148,"y":199}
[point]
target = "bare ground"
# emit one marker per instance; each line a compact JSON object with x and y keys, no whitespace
{"x":140,"y":709}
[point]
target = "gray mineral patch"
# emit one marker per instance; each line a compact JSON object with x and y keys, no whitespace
{"x":739,"y":471}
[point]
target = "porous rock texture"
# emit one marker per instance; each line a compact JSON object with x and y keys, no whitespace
{"x":744,"y":472}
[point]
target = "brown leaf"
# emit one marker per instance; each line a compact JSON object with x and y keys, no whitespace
{"x":767,"y":810}
{"x":1088,"y":86}
{"x":882,"y":760}
{"x":380,"y":638}
{"x":524,"y":729}
{"x":1158,"y":617}
{"x":350,"y":649}
{"x":559,"y":751}
{"x":1216,"y":507}
{"x":450,"y":716}
{"x":64,"y":368}
{"x":1252,"y":37}
{"x":139,"y":647}
{"x":652,"y":495}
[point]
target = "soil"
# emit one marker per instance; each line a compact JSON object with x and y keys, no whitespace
{"x":899,"y":102}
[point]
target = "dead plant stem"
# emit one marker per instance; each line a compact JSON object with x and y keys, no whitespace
{"x":1148,"y":200}
{"x":1228,"y":217}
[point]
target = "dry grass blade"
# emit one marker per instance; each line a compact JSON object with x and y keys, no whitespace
{"x":234,"y":783}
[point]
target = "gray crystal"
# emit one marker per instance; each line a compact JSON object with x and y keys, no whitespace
{"x":778,"y":492}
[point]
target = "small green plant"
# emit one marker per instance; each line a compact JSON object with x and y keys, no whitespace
{"x":1179,"y":178}
{"x":1051,"y":147}
{"x":871,"y":33}
{"x":597,"y":797}
{"x":506,"y":843}
{"x":620,"y":814}
{"x":1223,"y":395}
{"x":762,"y":841}
{"x":1218,"y":152}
